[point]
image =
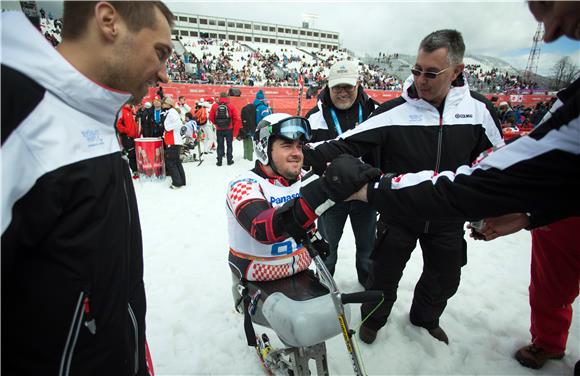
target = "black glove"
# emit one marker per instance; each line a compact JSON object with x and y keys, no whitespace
{"x":346,"y":175}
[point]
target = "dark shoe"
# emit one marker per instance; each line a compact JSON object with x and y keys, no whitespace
{"x":577,"y":369}
{"x":439,"y":334}
{"x":230,"y":163}
{"x":219,"y":162}
{"x":535,"y":357}
{"x":367,"y":335}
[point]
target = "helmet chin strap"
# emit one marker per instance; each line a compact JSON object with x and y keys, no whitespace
{"x":272,"y":165}
{"x":271,"y":162}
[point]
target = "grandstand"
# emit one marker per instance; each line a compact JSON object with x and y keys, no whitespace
{"x":193,"y":25}
{"x":213,"y":51}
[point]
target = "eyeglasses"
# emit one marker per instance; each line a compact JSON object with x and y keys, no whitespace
{"x":339,"y":88}
{"x":430,"y":75}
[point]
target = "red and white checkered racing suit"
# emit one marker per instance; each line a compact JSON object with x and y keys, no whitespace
{"x":259,"y":248}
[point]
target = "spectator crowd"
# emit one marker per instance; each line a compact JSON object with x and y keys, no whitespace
{"x":226,"y":62}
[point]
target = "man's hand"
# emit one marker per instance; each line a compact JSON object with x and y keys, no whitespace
{"x":360,"y":195}
{"x":347,"y":175}
{"x":500,"y":226}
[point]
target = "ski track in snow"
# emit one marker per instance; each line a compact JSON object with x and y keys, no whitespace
{"x":193,"y":329}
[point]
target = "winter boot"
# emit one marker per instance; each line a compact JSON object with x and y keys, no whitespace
{"x":230,"y":162}
{"x":439,"y":334}
{"x":535,"y":357}
{"x":366,"y":334}
{"x":219,"y":162}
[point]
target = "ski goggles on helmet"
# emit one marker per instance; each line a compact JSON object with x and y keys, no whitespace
{"x":292,"y":128}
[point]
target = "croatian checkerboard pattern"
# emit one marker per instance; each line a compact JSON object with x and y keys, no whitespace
{"x":269,"y":272}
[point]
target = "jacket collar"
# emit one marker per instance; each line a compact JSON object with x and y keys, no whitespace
{"x":459,"y":88}
{"x":26,"y":50}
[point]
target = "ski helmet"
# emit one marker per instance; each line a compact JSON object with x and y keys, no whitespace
{"x":279,"y":125}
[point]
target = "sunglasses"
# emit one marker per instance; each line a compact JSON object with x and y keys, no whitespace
{"x":430,"y":75}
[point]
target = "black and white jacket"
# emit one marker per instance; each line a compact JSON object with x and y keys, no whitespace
{"x":537,"y":174}
{"x":413,"y":135}
{"x":73,"y":300}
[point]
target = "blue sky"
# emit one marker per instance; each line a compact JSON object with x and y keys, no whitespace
{"x":550,"y":53}
{"x":563,"y":46}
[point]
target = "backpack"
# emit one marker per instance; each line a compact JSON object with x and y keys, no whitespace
{"x":222,"y":117}
{"x":248,"y":119}
{"x":200,"y":116}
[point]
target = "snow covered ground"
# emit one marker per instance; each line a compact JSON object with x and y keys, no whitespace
{"x":193,"y":329}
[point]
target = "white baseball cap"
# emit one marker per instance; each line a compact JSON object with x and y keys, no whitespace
{"x":343,"y":73}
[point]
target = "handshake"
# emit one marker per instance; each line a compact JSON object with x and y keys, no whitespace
{"x":346,"y":175}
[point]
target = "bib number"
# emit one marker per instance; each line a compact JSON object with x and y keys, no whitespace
{"x":280,"y":249}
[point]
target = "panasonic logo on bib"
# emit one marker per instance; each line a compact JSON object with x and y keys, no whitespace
{"x":283,"y":199}
{"x":463,"y":116}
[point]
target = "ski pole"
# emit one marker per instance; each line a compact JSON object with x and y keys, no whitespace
{"x":339,"y":299}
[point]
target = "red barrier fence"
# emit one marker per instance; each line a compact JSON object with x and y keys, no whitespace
{"x":285,"y":99}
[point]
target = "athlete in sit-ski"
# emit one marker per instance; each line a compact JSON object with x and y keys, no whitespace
{"x":273,"y":200}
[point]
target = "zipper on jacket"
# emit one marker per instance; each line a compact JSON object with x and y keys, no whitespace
{"x":127,"y":201}
{"x":73,"y":335}
{"x":90,"y":322}
{"x":438,"y":161}
{"x":136,"y":330}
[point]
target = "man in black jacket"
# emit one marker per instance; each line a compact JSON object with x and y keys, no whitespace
{"x":343,"y":105}
{"x":73,"y":299}
{"x":537,"y":176}
{"x":437,"y":123}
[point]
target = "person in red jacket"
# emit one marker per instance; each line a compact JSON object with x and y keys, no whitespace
{"x":227,"y":124}
{"x":128,"y":131}
{"x":555,"y":272}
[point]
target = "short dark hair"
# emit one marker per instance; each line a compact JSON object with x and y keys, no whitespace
{"x":137,"y":15}
{"x":181,"y":96}
{"x":447,"y":38}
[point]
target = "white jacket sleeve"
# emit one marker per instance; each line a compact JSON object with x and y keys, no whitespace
{"x":172,"y":120}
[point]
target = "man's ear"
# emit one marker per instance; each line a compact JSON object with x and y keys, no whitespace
{"x":107,"y":20}
{"x":457,"y":71}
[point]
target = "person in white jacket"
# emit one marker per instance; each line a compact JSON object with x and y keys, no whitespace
{"x":183,"y":107}
{"x":173,"y":137}
{"x":208,"y":128}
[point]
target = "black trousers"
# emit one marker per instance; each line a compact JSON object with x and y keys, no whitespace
{"x":444,"y":253}
{"x":173,"y":165}
{"x":226,"y":137}
{"x":129,"y":147}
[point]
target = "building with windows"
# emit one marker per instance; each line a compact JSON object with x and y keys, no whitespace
{"x":193,"y":25}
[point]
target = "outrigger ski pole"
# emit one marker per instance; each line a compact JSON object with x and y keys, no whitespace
{"x":339,"y":300}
